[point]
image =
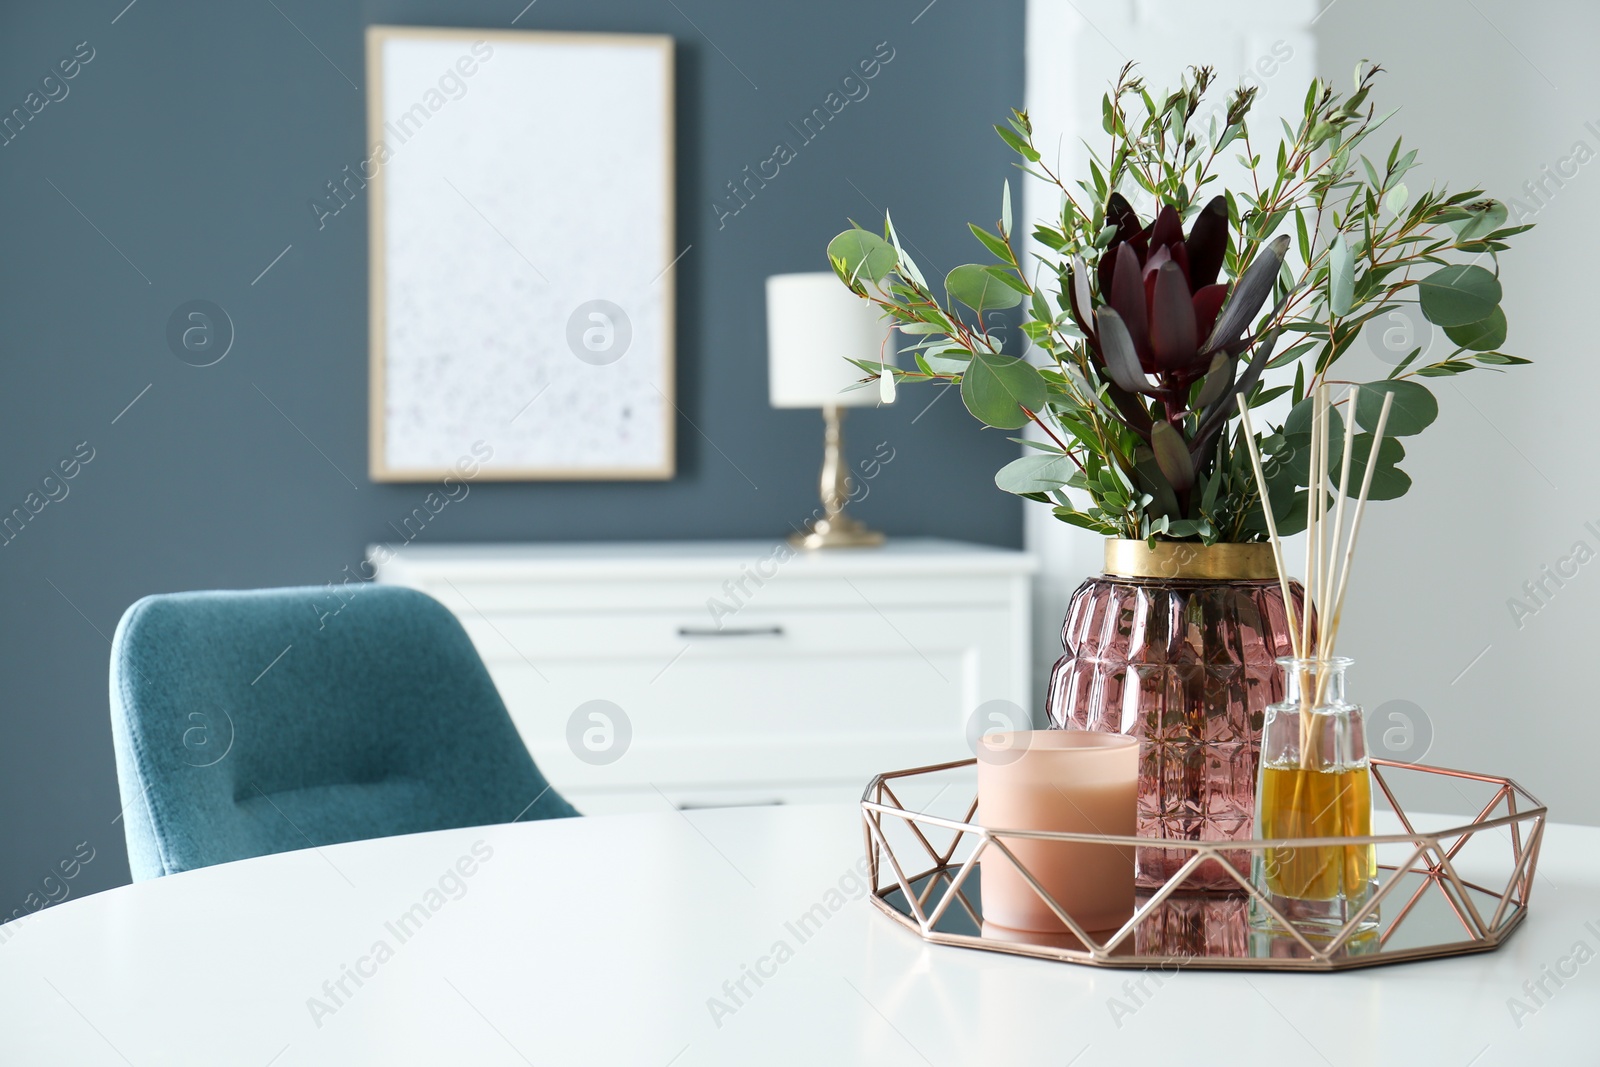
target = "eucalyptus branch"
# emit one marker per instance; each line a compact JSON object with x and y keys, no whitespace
{"x":1153,"y":441}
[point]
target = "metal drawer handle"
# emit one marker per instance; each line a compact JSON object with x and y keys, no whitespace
{"x":730,"y":631}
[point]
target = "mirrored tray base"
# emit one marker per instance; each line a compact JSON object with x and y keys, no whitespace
{"x":1447,"y":886}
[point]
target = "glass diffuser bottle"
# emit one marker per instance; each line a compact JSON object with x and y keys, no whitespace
{"x":1314,"y":782}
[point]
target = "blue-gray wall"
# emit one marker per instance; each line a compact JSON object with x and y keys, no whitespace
{"x":181,"y":161}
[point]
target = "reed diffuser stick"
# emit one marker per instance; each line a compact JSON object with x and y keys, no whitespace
{"x":1330,"y":550}
{"x":1361,"y":507}
{"x":1272,"y":525}
{"x":1313,"y":583}
{"x":1327,"y":572}
{"x":1311,"y":517}
{"x":1323,"y":540}
{"x":1325,"y":591}
{"x":1344,"y":480}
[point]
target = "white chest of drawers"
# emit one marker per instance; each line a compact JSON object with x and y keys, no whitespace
{"x":735,"y":672}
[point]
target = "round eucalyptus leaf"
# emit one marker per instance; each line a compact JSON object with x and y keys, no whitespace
{"x":1298,"y":424}
{"x":1458,"y":294}
{"x":1288,"y":511}
{"x":1414,"y":408}
{"x":865,"y":255}
{"x":1292,"y":466}
{"x":1388,"y":480}
{"x":942,"y":364}
{"x":980,"y":289}
{"x":1034,"y":474}
{"x":1484,"y":217}
{"x":996,"y":388}
{"x":1485,"y":335}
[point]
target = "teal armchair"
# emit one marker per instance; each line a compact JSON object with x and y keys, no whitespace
{"x":247,"y":723}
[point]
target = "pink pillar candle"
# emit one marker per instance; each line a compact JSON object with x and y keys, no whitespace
{"x":1065,"y":781}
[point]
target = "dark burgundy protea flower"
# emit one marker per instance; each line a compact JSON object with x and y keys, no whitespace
{"x":1199,"y":256}
{"x":1165,"y":287}
{"x":1164,"y":316}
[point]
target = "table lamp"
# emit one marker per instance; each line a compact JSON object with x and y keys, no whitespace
{"x":813,"y":324}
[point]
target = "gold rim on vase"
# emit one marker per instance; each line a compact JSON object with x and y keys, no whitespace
{"x":1190,"y":561}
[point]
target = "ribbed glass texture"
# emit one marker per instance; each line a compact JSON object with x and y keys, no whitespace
{"x":1188,"y":667}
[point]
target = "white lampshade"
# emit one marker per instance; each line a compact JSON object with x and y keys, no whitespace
{"x":813,"y":325}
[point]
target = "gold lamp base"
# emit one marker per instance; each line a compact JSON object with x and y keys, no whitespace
{"x":839,"y":532}
{"x":835,"y":529}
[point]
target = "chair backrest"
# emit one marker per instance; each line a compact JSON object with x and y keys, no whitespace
{"x":253,"y":722}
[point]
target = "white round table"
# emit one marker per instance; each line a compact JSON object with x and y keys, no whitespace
{"x":650,"y":940}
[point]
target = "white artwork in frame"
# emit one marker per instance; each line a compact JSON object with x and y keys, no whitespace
{"x":521,"y":289}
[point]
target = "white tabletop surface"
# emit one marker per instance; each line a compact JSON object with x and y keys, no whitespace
{"x":605,"y":940}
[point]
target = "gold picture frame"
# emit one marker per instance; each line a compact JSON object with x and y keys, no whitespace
{"x":659,"y":403}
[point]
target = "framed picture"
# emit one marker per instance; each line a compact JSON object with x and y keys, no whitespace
{"x":520,"y":191}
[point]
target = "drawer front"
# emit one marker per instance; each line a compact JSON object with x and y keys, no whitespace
{"x":653,"y":639}
{"x":765,"y":683}
{"x":821,"y":697}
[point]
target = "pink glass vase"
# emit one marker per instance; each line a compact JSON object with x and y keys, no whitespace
{"x":1178,"y":646}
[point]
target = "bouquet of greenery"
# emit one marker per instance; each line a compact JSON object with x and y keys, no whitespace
{"x":1148,"y":333}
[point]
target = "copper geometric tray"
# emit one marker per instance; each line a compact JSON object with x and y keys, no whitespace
{"x":1445,"y":887}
